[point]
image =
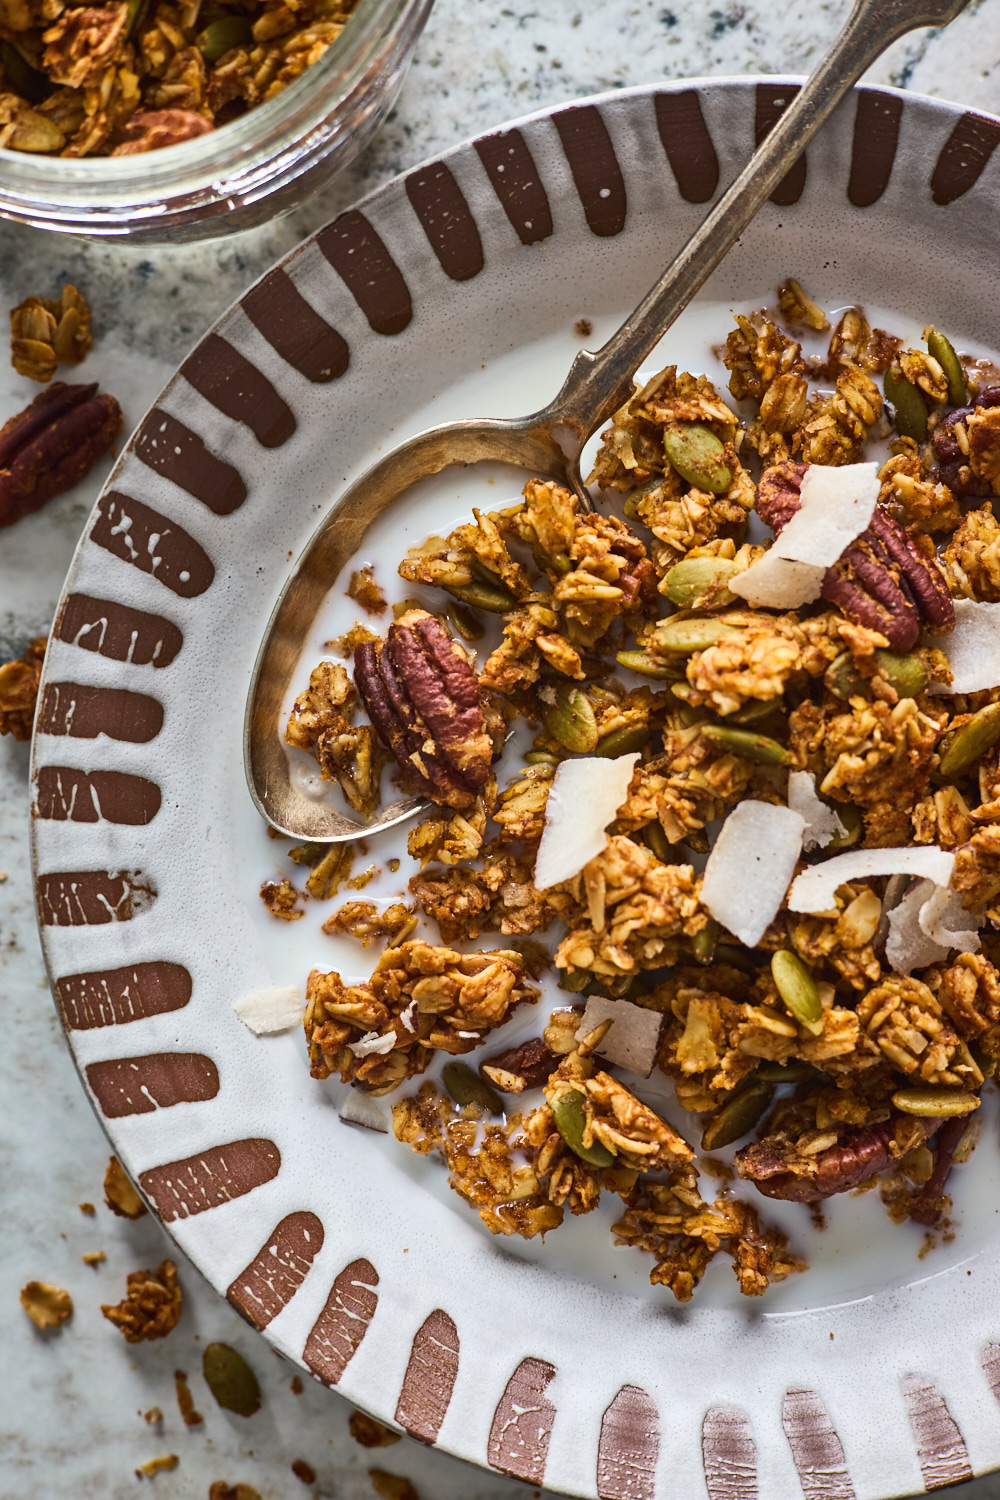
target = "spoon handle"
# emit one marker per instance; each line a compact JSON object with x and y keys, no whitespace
{"x":598,"y":383}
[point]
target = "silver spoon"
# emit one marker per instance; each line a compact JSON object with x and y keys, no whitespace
{"x":550,"y":441}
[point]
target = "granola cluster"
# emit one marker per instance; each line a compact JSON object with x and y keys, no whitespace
{"x":826,"y":1051}
{"x":123,"y":78}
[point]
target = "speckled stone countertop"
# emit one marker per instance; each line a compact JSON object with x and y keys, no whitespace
{"x":70,"y":1415}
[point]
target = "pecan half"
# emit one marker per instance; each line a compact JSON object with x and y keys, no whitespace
{"x":51,"y":445}
{"x":838,"y":1169}
{"x":883,"y":580}
{"x":424,"y":700}
{"x":151,"y":129}
{"x":954,"y":468}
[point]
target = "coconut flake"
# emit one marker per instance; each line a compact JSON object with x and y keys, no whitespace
{"x":268,"y":1011}
{"x":822,"y":823}
{"x":634,"y":1036}
{"x":750,"y":865}
{"x":360,"y":1108}
{"x":837,"y":504}
{"x":815,"y":890}
{"x":409,"y":1016}
{"x":584,"y":797}
{"x":372,"y":1042}
{"x":923,"y":928}
{"x":972,"y":648}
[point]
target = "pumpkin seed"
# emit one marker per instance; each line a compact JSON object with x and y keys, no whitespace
{"x":404,"y":606}
{"x":571,"y":721}
{"x":575,"y":980}
{"x":138,"y":10}
{"x":909,"y":404}
{"x":231,"y":1380}
{"x":466,"y":1087}
{"x":747,"y":745}
{"x":906,"y":673}
{"x":971,"y":741}
{"x":643,"y":663}
{"x":465,"y":622}
{"x":700,"y":582}
{"x":624,"y":741}
{"x":222,"y":36}
{"x":798,"y":989}
{"x":657,"y":841}
{"x":555,"y":562}
{"x":494,"y":598}
{"x":753,"y":711}
{"x":541,"y":758}
{"x":22,"y":77}
{"x":570,"y":1121}
{"x":786,"y":1072}
{"x":36,"y":133}
{"x":696,"y":453}
{"x":736,"y":958}
{"x":631,"y":506}
{"x":942,"y":349}
{"x":737,"y":1117}
{"x":703,"y":943}
{"x":685,"y":636}
{"x":943,"y":1102}
{"x":850,"y":816}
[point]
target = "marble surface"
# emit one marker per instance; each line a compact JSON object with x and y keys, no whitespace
{"x":70,"y":1418}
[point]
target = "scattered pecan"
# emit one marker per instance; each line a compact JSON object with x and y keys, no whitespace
{"x":44,"y":332}
{"x":950,"y":441}
{"x":863,"y":1154}
{"x":423,"y":699}
{"x":19,"y":681}
{"x":151,"y":129}
{"x":51,"y":445}
{"x":882,"y":580}
{"x":150,"y":1308}
{"x":520,"y":1068}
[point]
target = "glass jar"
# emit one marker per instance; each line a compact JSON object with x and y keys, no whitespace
{"x":246,"y":172}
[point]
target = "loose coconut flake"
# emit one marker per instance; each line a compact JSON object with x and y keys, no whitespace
{"x":822,"y":823}
{"x":972,"y":648}
{"x":584,"y":797}
{"x":815,"y":890}
{"x":837,"y":504}
{"x":634,"y":1037}
{"x":373,"y":1042}
{"x":750,"y":865}
{"x":362,"y":1109}
{"x":268,"y":1011}
{"x":926,"y":926}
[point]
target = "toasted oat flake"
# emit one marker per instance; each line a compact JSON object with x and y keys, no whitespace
{"x":268,"y":1011}
{"x":634,"y":1035}
{"x":822,"y":823}
{"x":972,"y":648}
{"x":750,"y":865}
{"x":585,"y":796}
{"x":815,"y":890}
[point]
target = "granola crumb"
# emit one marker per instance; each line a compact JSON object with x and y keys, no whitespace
{"x":185,"y":1401}
{"x":220,"y":1490}
{"x":93,"y":1257}
{"x":150,"y":1308}
{"x":304,"y":1471}
{"x":365,"y":591}
{"x":583,"y":328}
{"x":393,"y":866}
{"x":119,"y":1194}
{"x":85,"y":1208}
{"x":391,"y":1486}
{"x":359,"y":882}
{"x":46,"y":1305}
{"x":281,"y":899}
{"x":152,"y":1416}
{"x":45,"y":333}
{"x":19,"y":681}
{"x":369,"y":1433}
{"x":297,"y":1386}
{"x":160,"y":1465}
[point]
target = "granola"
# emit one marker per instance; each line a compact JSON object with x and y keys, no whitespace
{"x":151,"y":1306}
{"x":832,"y":1045}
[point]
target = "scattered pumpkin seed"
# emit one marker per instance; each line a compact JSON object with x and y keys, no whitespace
{"x":696,"y":453}
{"x":943,"y":350}
{"x":494,"y":598}
{"x":736,"y":958}
{"x":909,"y":404}
{"x":624,"y":741}
{"x":943,"y":1102}
{"x":465,"y":622}
{"x":643,"y":663}
{"x":685,"y":636}
{"x":222,"y":36}
{"x":785,"y":1072}
{"x":747,"y":745}
{"x":703,"y":943}
{"x":541,"y":758}
{"x":798,"y":989}
{"x":754,"y":710}
{"x":571,"y":721}
{"x":971,"y":741}
{"x":575,"y":980}
{"x":657,"y":840}
{"x":850,"y":816}
{"x":466,"y":1087}
{"x":631,"y":506}
{"x":737,"y":1117}
{"x":570,"y":1121}
{"x":700,"y":582}
{"x":231,"y":1380}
